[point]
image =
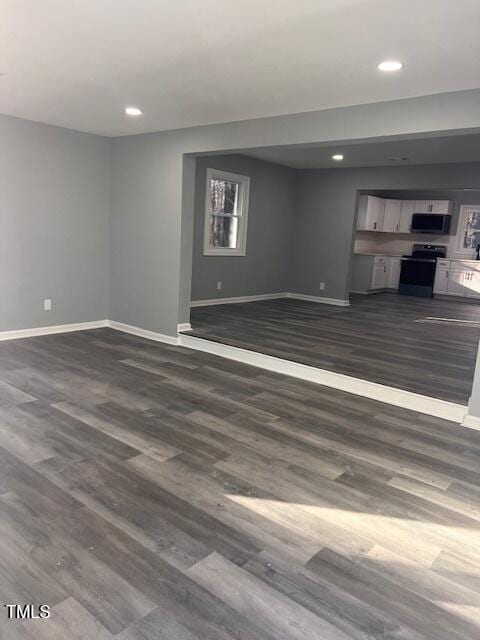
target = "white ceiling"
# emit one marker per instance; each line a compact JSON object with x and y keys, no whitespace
{"x":458,"y":148}
{"x":77,"y":63}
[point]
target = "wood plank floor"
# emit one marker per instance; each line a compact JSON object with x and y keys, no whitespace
{"x":427,"y":346}
{"x":152,"y":492}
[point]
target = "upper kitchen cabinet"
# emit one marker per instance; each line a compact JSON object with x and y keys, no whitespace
{"x":371,"y":212}
{"x":391,"y":218}
{"x":407,"y":211}
{"x":395,"y":216}
{"x":433,"y":206}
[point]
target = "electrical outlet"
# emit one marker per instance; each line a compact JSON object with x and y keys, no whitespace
{"x":47,"y":304}
{"x":322,"y":286}
{"x":219,"y":285}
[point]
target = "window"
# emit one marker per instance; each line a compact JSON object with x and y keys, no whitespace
{"x":468,"y":233}
{"x":226,"y":210}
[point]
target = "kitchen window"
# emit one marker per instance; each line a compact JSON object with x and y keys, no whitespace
{"x":468,"y":234}
{"x":226,"y":213}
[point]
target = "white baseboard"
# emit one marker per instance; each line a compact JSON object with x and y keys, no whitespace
{"x":45,"y":331}
{"x":238,"y":299}
{"x":335,"y":301}
{"x":356,"y":386}
{"x":472,"y":422}
{"x":142,"y":333}
{"x":270,"y":296}
{"x":184,"y":326}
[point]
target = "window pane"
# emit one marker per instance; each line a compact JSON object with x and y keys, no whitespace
{"x":223,"y":232}
{"x":224,"y":196}
{"x":472,"y":230}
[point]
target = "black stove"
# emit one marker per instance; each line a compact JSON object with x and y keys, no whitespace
{"x":417,"y":274}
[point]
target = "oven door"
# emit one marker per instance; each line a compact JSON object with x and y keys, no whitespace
{"x":417,"y":276}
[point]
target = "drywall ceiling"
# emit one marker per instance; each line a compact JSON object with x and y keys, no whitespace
{"x":458,"y":148}
{"x":79,"y":63}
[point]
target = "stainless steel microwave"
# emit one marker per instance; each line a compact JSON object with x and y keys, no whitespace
{"x":435,"y":223}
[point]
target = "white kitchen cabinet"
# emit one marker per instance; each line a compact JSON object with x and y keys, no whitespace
{"x":441,"y":206}
{"x":394,"y":272}
{"x":371,"y":211}
{"x":473,"y":284}
{"x":406,"y":213}
{"x":423,"y":206}
{"x":432,"y":206}
{"x":457,"y":282}
{"x":458,"y":278}
{"x":391,"y":217}
{"x":375,"y":273}
{"x":380,"y":273}
{"x":464,"y":282}
{"x":441,"y":280}
{"x":394,"y":216}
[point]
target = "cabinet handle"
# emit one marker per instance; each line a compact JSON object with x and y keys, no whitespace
{"x":374,"y":225}
{"x":397,"y":227}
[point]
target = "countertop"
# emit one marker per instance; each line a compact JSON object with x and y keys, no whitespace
{"x":400,"y":255}
{"x":383,"y":255}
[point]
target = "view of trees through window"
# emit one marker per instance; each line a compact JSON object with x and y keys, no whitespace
{"x":224,"y":196}
{"x":471,"y":237}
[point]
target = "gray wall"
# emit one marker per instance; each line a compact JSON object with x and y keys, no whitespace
{"x":474,"y":404}
{"x":151,"y":260}
{"x":265,"y":268}
{"x":325,"y":216}
{"x":54,"y":205}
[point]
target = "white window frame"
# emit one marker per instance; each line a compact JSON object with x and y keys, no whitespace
{"x":243,"y":198}
{"x":462,"y":221}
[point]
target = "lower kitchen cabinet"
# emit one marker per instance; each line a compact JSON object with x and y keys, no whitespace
{"x":473,"y":285}
{"x":375,"y":273}
{"x":380,"y":273}
{"x":458,"y":278}
{"x":394,"y":272}
{"x":441,"y":281}
{"x":457,"y":282}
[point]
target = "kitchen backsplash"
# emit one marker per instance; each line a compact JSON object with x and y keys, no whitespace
{"x":390,"y":243}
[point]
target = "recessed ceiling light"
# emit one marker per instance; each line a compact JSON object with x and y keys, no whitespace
{"x":337,"y":157}
{"x":133,"y":111}
{"x":390,"y":65}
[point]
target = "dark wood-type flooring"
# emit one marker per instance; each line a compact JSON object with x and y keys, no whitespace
{"x":427,"y":346}
{"x":152,"y":492}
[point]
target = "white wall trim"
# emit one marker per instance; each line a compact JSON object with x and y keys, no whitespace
{"x":472,"y":422}
{"x":242,"y":212}
{"x":382,"y":393}
{"x":335,"y":301}
{"x":45,"y":331}
{"x":356,"y":386}
{"x":142,"y":333}
{"x":212,"y":301}
{"x":184,"y":326}
{"x":270,"y":296}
